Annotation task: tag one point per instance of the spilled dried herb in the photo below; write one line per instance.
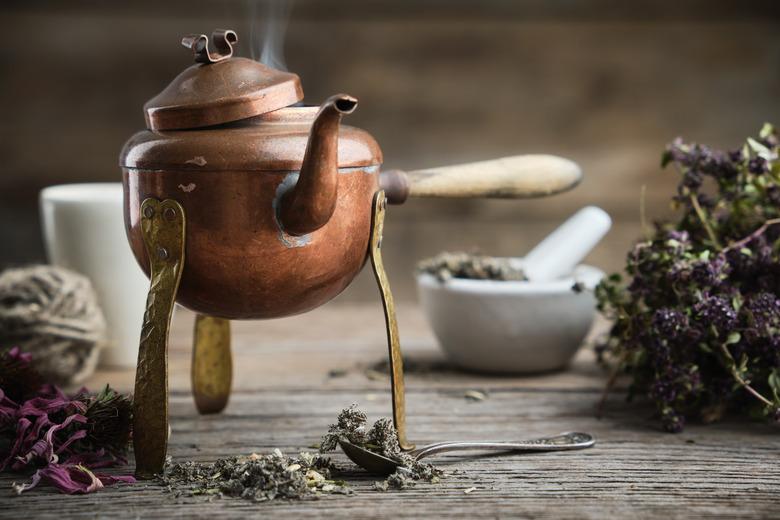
(259, 478)
(697, 324)
(275, 476)
(381, 438)
(445, 266)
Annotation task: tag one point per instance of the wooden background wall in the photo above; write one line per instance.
(606, 83)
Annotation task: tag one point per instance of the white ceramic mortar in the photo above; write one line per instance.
(510, 327)
(522, 327)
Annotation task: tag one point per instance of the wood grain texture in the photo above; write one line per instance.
(515, 177)
(285, 399)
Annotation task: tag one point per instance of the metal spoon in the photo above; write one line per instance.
(381, 465)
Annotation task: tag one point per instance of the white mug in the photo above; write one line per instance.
(84, 231)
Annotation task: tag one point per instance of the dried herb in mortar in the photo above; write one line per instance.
(697, 324)
(381, 438)
(464, 265)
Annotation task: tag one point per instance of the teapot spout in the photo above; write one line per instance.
(311, 202)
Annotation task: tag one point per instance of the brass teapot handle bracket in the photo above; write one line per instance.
(163, 232)
(222, 39)
(379, 208)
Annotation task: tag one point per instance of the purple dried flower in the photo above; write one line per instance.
(735, 156)
(663, 390)
(18, 379)
(681, 236)
(692, 180)
(769, 140)
(708, 282)
(64, 437)
(758, 166)
(8, 410)
(44, 450)
(71, 479)
(672, 421)
(671, 323)
(709, 273)
(716, 311)
(765, 309)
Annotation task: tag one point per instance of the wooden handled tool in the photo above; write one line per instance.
(516, 177)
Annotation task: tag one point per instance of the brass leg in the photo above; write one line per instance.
(163, 229)
(396, 362)
(212, 365)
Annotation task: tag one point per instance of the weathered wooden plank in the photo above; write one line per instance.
(300, 351)
(728, 470)
(284, 399)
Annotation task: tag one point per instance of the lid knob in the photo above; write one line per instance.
(223, 40)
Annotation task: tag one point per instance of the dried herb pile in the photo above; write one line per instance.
(465, 265)
(697, 322)
(59, 439)
(263, 478)
(382, 438)
(259, 478)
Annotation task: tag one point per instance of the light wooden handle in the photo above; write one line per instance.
(519, 176)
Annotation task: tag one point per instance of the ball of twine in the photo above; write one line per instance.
(53, 314)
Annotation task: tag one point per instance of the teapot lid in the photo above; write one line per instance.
(220, 88)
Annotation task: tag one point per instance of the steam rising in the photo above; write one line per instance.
(267, 44)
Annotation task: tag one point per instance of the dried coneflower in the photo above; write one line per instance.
(18, 378)
(57, 438)
(109, 421)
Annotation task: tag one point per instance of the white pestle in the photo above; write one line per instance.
(562, 250)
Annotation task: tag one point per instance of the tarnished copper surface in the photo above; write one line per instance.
(240, 264)
(220, 88)
(274, 141)
(212, 364)
(379, 207)
(278, 206)
(162, 232)
(310, 203)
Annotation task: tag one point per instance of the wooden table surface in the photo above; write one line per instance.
(284, 397)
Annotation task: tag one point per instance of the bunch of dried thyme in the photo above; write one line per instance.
(465, 265)
(259, 478)
(381, 438)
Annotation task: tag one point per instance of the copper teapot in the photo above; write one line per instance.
(241, 204)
